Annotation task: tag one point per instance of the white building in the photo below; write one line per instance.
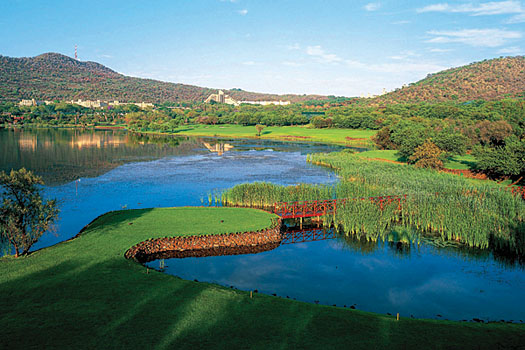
(220, 97)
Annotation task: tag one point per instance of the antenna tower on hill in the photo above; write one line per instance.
(76, 56)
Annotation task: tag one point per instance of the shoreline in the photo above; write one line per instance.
(207, 245)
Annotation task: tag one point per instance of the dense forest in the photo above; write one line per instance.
(53, 76)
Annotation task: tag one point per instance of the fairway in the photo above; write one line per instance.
(287, 133)
(83, 293)
(464, 162)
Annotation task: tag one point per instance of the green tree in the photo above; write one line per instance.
(382, 139)
(24, 215)
(452, 143)
(428, 155)
(507, 160)
(259, 128)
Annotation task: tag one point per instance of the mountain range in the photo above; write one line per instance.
(52, 76)
(486, 80)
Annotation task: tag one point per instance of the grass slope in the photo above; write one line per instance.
(83, 294)
(289, 133)
(464, 162)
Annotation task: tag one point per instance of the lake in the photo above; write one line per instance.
(95, 171)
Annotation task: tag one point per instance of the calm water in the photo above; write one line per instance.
(424, 281)
(142, 172)
(92, 172)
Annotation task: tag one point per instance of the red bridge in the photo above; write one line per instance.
(307, 209)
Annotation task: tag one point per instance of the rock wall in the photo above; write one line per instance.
(206, 245)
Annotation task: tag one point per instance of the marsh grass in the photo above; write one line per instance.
(474, 213)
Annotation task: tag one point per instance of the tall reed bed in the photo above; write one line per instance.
(455, 208)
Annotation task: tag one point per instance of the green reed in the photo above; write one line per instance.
(438, 204)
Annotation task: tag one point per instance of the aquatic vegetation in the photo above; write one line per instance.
(454, 208)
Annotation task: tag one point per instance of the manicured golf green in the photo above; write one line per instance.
(83, 293)
(289, 133)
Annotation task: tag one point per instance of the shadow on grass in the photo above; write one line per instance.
(114, 219)
(119, 304)
(79, 295)
(471, 165)
(181, 130)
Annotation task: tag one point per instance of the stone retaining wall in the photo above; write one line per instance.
(206, 245)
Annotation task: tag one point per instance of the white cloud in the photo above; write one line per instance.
(474, 37)
(249, 63)
(405, 55)
(318, 52)
(434, 8)
(295, 46)
(517, 19)
(513, 50)
(372, 6)
(291, 64)
(477, 9)
(440, 50)
(243, 12)
(355, 64)
(401, 22)
(406, 67)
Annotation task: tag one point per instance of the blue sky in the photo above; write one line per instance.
(332, 47)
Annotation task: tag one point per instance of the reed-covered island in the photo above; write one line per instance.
(477, 213)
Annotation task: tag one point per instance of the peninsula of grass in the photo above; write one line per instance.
(84, 294)
(286, 133)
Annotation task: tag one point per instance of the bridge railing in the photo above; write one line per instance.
(316, 208)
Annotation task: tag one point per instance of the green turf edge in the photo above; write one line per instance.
(464, 162)
(82, 293)
(282, 133)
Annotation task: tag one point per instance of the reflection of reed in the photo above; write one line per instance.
(218, 148)
(215, 251)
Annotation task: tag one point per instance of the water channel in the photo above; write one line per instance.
(92, 172)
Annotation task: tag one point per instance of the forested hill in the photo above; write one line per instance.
(53, 76)
(487, 80)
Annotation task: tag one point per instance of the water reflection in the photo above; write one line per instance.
(64, 155)
(218, 148)
(200, 253)
(184, 173)
(414, 279)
